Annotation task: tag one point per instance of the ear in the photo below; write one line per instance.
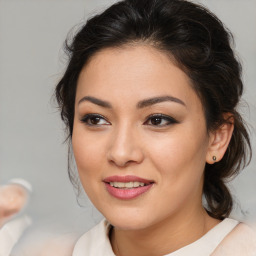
(219, 140)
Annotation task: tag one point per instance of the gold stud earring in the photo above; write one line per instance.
(214, 158)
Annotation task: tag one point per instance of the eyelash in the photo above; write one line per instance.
(87, 119)
(161, 117)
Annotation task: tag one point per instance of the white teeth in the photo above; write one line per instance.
(130, 184)
(137, 184)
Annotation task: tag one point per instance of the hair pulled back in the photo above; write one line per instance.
(197, 41)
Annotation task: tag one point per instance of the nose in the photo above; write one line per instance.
(125, 147)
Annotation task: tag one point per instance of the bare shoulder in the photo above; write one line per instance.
(240, 241)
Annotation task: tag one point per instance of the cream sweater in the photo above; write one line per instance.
(227, 238)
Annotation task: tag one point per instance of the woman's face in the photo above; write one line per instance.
(139, 137)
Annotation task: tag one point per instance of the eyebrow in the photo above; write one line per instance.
(140, 104)
(96, 101)
(155, 100)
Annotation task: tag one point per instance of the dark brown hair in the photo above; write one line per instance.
(200, 45)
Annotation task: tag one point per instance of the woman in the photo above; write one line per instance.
(149, 99)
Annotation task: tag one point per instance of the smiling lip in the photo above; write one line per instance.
(124, 193)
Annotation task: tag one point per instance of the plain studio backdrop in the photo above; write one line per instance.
(32, 33)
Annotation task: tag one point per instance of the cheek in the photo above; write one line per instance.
(89, 152)
(180, 155)
(84, 152)
(180, 163)
(88, 156)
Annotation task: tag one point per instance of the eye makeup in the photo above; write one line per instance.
(160, 120)
(94, 120)
(156, 120)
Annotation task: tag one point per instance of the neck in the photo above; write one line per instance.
(162, 238)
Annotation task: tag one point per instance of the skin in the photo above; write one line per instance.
(12, 199)
(127, 142)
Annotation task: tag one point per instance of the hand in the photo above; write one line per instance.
(13, 198)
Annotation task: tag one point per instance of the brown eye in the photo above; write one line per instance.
(94, 120)
(156, 120)
(160, 120)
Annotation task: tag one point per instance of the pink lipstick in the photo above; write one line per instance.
(127, 187)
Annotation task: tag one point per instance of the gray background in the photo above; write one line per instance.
(31, 133)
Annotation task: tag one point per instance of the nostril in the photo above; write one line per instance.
(124, 158)
(123, 164)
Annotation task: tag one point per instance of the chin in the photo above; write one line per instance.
(131, 224)
(128, 220)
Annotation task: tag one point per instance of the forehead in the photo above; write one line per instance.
(133, 73)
